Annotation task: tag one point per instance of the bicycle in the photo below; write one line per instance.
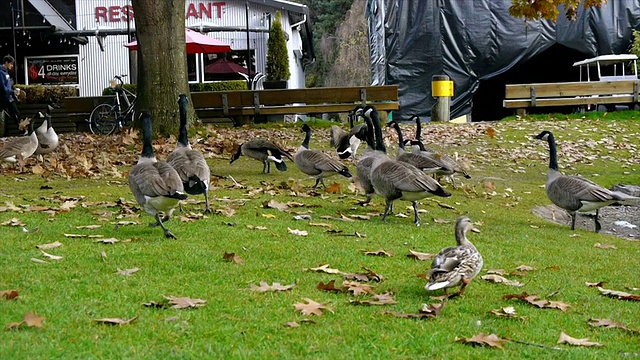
(105, 119)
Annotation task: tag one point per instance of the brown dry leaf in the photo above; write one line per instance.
(428, 311)
(441, 221)
(482, 339)
(36, 260)
(619, 294)
(297, 232)
(184, 302)
(325, 269)
(127, 272)
(251, 227)
(420, 256)
(536, 301)
(500, 280)
(268, 216)
(89, 227)
(496, 272)
(604, 246)
(566, 339)
(116, 321)
(13, 222)
(379, 252)
(29, 319)
(491, 132)
(232, 257)
(272, 204)
(446, 206)
(357, 289)
(598, 284)
(9, 294)
(264, 287)
(227, 211)
(360, 217)
(107, 241)
(292, 324)
(553, 267)
(606, 323)
(509, 312)
(525, 268)
(311, 307)
(368, 276)
(321, 224)
(333, 188)
(52, 257)
(381, 299)
(68, 205)
(330, 286)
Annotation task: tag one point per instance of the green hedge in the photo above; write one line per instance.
(38, 94)
(199, 87)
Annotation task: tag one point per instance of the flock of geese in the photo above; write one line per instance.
(410, 175)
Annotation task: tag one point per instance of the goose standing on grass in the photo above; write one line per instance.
(577, 194)
(47, 137)
(190, 164)
(451, 166)
(375, 148)
(396, 180)
(18, 149)
(347, 142)
(456, 265)
(156, 185)
(264, 151)
(316, 163)
(427, 164)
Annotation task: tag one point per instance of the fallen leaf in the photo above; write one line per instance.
(321, 224)
(420, 256)
(598, 284)
(116, 321)
(89, 227)
(491, 132)
(604, 246)
(379, 252)
(525, 268)
(78, 236)
(9, 294)
(330, 286)
(127, 272)
(269, 216)
(232, 257)
(536, 301)
(292, 324)
(251, 227)
(606, 323)
(566, 339)
(52, 257)
(68, 205)
(49, 246)
(13, 222)
(107, 241)
(428, 311)
(184, 302)
(381, 299)
(311, 307)
(482, 339)
(509, 312)
(500, 280)
(29, 319)
(264, 287)
(357, 289)
(325, 269)
(35, 260)
(333, 188)
(368, 276)
(496, 272)
(619, 294)
(360, 217)
(446, 206)
(272, 204)
(297, 232)
(441, 221)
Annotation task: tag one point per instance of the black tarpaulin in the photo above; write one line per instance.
(475, 40)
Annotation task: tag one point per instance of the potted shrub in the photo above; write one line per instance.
(277, 57)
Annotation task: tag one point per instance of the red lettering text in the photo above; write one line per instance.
(101, 13)
(205, 9)
(114, 11)
(219, 6)
(127, 13)
(192, 12)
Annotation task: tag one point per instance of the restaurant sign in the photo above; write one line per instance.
(52, 70)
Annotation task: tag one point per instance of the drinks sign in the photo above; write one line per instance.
(52, 70)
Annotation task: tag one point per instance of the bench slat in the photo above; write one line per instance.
(524, 103)
(542, 90)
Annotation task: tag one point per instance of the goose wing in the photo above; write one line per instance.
(15, 147)
(582, 189)
(262, 145)
(338, 136)
(320, 161)
(157, 179)
(423, 163)
(406, 177)
(188, 162)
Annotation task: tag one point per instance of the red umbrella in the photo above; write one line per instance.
(196, 43)
(223, 66)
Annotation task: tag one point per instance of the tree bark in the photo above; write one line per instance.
(162, 62)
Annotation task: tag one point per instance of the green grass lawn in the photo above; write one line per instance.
(508, 172)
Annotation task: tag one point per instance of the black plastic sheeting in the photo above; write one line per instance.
(475, 40)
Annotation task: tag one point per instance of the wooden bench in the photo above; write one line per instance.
(522, 96)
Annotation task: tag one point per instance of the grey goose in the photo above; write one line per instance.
(47, 138)
(316, 163)
(575, 193)
(264, 151)
(190, 164)
(155, 185)
(347, 142)
(18, 149)
(375, 148)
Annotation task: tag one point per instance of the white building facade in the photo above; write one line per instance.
(225, 21)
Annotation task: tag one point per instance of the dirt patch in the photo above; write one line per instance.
(620, 221)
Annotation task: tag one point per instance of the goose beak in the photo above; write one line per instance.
(475, 230)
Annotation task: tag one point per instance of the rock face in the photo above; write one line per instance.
(633, 190)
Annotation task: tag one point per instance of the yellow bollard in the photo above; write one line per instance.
(442, 90)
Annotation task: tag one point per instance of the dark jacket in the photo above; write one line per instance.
(6, 88)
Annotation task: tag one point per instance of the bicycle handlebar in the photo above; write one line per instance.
(119, 78)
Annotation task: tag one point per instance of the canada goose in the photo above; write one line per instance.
(47, 137)
(347, 143)
(316, 163)
(577, 194)
(156, 185)
(395, 180)
(264, 151)
(190, 164)
(456, 265)
(18, 149)
(451, 166)
(427, 164)
(375, 148)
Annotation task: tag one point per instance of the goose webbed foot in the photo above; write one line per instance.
(159, 222)
(416, 218)
(169, 235)
(465, 282)
(597, 223)
(386, 210)
(365, 202)
(207, 209)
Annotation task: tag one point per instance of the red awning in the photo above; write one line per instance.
(224, 66)
(196, 43)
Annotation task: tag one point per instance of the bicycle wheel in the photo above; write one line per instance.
(103, 119)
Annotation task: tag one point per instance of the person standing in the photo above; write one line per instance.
(8, 96)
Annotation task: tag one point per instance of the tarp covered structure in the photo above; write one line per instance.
(475, 40)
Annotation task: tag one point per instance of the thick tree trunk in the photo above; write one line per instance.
(162, 61)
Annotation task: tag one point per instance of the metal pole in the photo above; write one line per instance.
(246, 4)
(129, 39)
(15, 51)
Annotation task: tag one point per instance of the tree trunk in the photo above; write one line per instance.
(162, 62)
